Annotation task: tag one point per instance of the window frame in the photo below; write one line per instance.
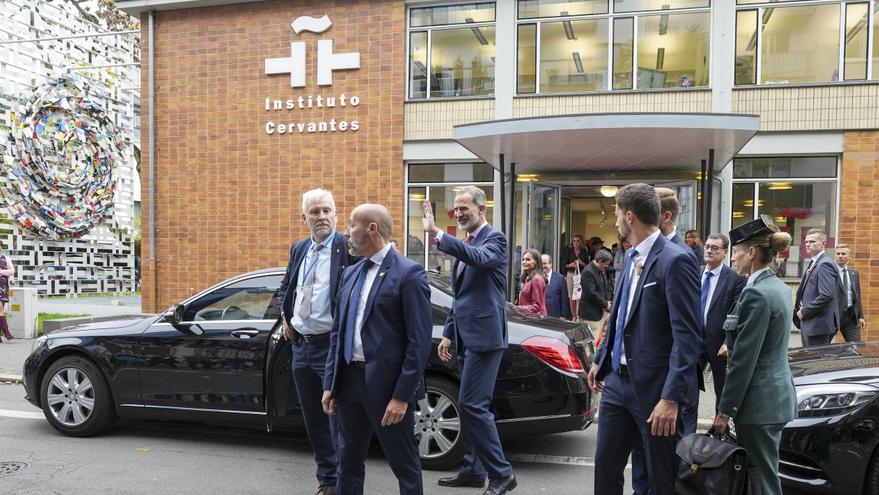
(756, 182)
(760, 7)
(611, 17)
(439, 27)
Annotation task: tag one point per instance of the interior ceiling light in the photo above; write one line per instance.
(527, 177)
(738, 214)
(780, 186)
(416, 197)
(663, 21)
(569, 30)
(578, 64)
(608, 191)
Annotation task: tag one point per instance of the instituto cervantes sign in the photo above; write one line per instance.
(327, 62)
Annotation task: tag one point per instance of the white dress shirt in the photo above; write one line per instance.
(643, 250)
(715, 275)
(320, 320)
(377, 259)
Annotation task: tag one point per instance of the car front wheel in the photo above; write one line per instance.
(438, 425)
(75, 397)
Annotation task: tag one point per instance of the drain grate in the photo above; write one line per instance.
(10, 468)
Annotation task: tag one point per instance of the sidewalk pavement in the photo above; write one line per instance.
(12, 356)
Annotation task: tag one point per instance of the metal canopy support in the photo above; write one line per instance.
(709, 189)
(511, 235)
(502, 212)
(701, 197)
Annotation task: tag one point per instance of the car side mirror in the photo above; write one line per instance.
(174, 314)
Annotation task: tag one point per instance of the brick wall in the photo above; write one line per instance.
(228, 195)
(859, 217)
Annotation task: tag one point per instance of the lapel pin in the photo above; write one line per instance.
(640, 268)
(382, 274)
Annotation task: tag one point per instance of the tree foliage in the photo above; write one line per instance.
(104, 13)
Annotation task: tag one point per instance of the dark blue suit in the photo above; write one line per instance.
(726, 293)
(309, 360)
(477, 324)
(690, 411)
(396, 338)
(557, 303)
(662, 345)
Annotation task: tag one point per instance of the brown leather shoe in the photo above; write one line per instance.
(326, 490)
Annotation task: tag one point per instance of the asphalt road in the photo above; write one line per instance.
(145, 458)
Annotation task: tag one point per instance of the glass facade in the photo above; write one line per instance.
(646, 5)
(799, 193)
(532, 9)
(819, 41)
(673, 50)
(573, 56)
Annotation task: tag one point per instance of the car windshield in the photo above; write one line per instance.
(440, 281)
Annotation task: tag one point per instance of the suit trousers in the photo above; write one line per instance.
(309, 365)
(762, 443)
(848, 325)
(359, 417)
(623, 420)
(718, 376)
(483, 454)
(809, 341)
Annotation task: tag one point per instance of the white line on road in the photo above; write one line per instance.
(9, 413)
(554, 459)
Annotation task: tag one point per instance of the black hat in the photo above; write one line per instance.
(762, 225)
(596, 240)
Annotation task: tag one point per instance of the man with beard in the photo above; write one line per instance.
(379, 347)
(308, 300)
(647, 366)
(478, 323)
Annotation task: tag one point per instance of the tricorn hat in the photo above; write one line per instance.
(762, 225)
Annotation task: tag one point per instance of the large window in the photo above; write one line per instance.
(814, 42)
(799, 193)
(451, 51)
(584, 46)
(438, 183)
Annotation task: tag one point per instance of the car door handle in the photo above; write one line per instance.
(246, 333)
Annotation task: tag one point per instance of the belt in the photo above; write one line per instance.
(357, 364)
(313, 339)
(624, 371)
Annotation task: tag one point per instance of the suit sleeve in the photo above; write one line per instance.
(332, 354)
(682, 280)
(418, 328)
(827, 279)
(563, 297)
(590, 292)
(285, 282)
(490, 254)
(751, 331)
(856, 290)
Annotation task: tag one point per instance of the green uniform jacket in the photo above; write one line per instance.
(759, 388)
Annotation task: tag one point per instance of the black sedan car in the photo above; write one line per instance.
(219, 358)
(831, 446)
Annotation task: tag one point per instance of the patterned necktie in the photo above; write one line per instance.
(706, 288)
(623, 309)
(351, 315)
(303, 309)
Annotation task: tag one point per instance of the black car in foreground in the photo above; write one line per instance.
(831, 446)
(219, 358)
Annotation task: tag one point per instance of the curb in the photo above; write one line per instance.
(10, 379)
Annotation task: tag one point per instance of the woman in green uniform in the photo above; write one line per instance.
(759, 393)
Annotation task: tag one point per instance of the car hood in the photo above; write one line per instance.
(836, 363)
(121, 325)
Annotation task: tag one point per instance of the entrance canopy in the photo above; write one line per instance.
(632, 142)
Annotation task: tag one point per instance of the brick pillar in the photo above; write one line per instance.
(859, 218)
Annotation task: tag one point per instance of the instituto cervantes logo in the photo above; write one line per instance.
(327, 62)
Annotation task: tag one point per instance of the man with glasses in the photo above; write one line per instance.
(721, 286)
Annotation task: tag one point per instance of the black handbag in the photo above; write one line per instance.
(711, 464)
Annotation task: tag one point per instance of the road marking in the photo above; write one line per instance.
(555, 459)
(9, 413)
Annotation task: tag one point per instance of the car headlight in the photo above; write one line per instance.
(832, 399)
(39, 341)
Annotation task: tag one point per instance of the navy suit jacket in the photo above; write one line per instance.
(557, 303)
(396, 330)
(662, 335)
(479, 279)
(683, 245)
(726, 294)
(817, 297)
(339, 260)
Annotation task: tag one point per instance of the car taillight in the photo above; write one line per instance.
(554, 352)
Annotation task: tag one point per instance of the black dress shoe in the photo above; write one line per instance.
(499, 486)
(463, 479)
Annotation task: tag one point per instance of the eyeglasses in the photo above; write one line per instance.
(710, 248)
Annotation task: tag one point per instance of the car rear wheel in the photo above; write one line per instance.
(438, 425)
(75, 397)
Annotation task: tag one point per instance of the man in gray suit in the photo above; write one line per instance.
(817, 309)
(851, 311)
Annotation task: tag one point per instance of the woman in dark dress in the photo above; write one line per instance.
(6, 270)
(574, 259)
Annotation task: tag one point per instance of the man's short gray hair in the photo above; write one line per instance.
(547, 255)
(315, 195)
(476, 193)
(602, 255)
(378, 214)
(724, 240)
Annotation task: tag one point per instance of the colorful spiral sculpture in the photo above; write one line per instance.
(60, 157)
